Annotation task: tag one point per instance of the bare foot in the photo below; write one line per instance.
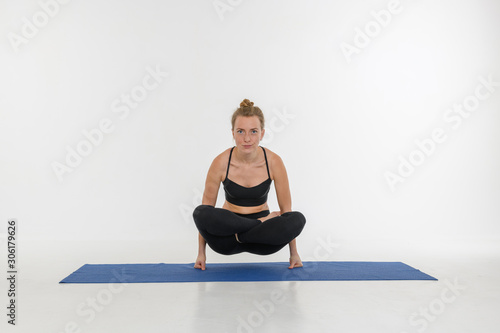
(270, 216)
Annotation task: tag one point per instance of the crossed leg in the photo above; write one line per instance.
(218, 226)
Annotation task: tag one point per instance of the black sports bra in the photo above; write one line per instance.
(246, 196)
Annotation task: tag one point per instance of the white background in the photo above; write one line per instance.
(340, 123)
(349, 121)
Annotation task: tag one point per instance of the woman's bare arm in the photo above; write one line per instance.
(285, 202)
(281, 184)
(202, 257)
(212, 185)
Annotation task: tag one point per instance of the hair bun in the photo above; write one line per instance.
(246, 103)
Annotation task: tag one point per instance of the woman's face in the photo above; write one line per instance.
(247, 133)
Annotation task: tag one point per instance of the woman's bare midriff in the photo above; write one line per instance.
(244, 210)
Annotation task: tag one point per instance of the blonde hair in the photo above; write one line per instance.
(247, 109)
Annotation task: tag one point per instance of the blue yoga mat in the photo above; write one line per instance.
(263, 271)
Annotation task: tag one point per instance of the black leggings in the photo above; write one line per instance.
(218, 227)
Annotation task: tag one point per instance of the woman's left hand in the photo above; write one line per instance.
(295, 261)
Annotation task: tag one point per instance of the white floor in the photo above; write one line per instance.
(465, 299)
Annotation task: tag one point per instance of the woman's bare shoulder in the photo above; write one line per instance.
(223, 156)
(272, 157)
(276, 165)
(220, 161)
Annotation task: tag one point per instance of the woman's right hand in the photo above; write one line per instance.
(200, 262)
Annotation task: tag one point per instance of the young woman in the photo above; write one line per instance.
(246, 171)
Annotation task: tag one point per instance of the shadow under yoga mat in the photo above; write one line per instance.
(263, 271)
